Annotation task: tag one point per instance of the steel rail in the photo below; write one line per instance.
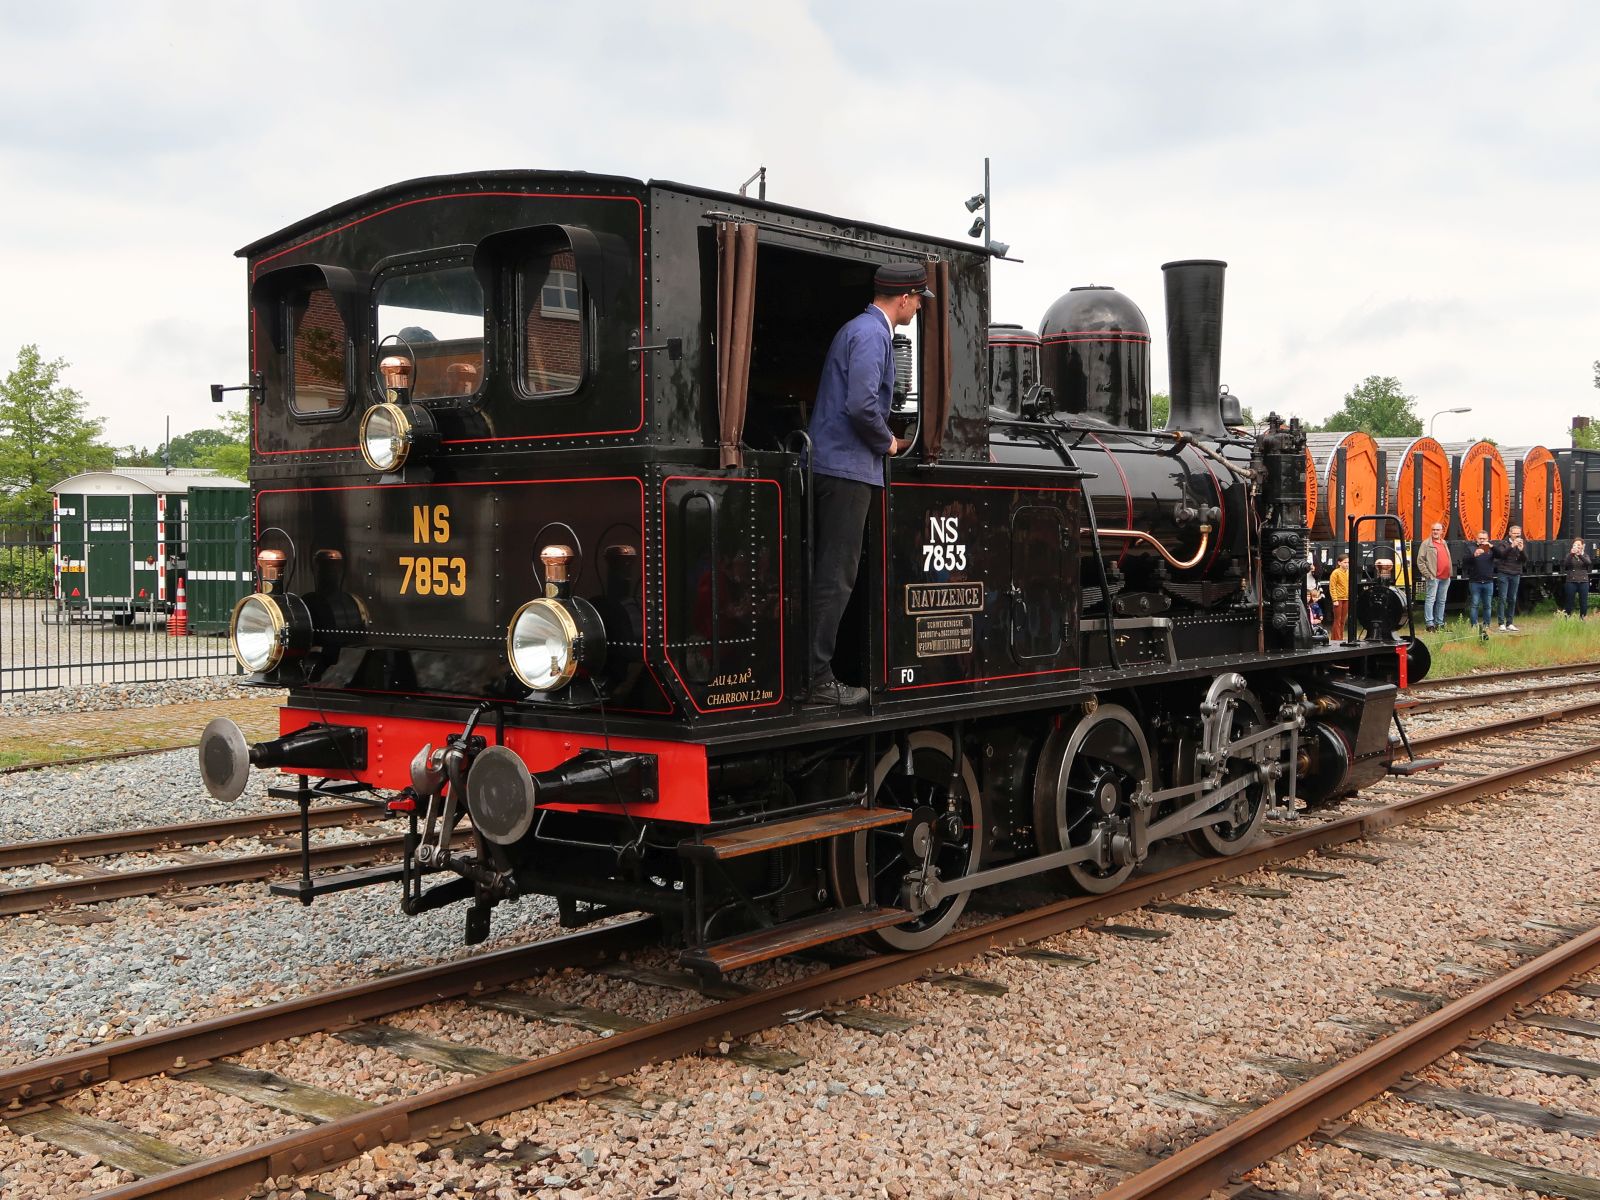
(1474, 699)
(113, 886)
(195, 833)
(1550, 716)
(1506, 676)
(49, 1079)
(85, 759)
(1201, 1167)
(499, 1092)
(120, 885)
(152, 1053)
(192, 833)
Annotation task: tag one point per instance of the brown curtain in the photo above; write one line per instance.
(736, 302)
(936, 361)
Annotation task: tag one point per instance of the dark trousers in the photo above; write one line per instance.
(1578, 592)
(1482, 593)
(1505, 594)
(841, 514)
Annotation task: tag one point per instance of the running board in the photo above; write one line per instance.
(815, 828)
(789, 938)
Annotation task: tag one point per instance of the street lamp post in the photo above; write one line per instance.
(1443, 412)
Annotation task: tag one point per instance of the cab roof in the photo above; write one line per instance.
(489, 180)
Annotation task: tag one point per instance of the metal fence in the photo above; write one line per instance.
(99, 603)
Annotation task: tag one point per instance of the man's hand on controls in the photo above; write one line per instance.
(901, 445)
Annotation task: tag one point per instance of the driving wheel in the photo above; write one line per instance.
(871, 867)
(1083, 796)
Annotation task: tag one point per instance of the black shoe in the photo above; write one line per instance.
(830, 693)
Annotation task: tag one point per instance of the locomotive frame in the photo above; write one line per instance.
(533, 567)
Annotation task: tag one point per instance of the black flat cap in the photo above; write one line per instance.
(892, 279)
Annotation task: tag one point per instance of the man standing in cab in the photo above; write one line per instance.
(849, 436)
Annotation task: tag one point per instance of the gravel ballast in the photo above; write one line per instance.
(966, 1099)
(960, 1103)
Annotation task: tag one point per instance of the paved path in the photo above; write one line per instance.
(54, 736)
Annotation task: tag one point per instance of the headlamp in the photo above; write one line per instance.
(389, 433)
(549, 639)
(265, 629)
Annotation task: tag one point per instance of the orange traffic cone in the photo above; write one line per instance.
(178, 622)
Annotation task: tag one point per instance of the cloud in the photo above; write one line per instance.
(1399, 190)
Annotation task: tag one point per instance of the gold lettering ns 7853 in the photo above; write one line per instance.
(432, 574)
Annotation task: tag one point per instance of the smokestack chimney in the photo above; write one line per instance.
(1194, 344)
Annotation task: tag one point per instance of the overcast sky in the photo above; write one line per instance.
(1400, 189)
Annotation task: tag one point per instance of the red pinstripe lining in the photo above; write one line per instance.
(256, 270)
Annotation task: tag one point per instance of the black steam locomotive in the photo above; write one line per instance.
(533, 522)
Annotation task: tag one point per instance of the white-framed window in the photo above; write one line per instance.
(559, 297)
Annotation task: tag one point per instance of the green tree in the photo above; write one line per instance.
(44, 436)
(1587, 437)
(1377, 406)
(138, 456)
(229, 452)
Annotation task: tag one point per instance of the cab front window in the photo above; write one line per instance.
(551, 301)
(435, 315)
(317, 367)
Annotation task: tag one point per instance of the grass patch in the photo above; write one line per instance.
(1546, 639)
(21, 753)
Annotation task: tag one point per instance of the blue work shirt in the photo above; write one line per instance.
(849, 425)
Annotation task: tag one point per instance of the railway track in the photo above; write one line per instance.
(1214, 1161)
(499, 1086)
(1478, 699)
(1452, 681)
(191, 833)
(92, 885)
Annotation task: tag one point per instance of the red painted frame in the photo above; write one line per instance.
(392, 742)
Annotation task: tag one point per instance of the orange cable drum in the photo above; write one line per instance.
(1312, 490)
(1360, 482)
(1471, 494)
(1540, 510)
(1406, 457)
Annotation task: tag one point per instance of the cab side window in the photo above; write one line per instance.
(437, 314)
(552, 305)
(317, 356)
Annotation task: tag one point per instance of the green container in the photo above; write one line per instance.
(122, 540)
(218, 568)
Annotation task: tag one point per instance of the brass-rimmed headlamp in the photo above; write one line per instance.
(390, 432)
(266, 629)
(550, 638)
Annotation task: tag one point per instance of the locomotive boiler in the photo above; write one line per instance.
(532, 502)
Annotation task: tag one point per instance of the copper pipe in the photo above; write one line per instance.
(1141, 536)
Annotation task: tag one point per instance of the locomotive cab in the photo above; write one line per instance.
(532, 500)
